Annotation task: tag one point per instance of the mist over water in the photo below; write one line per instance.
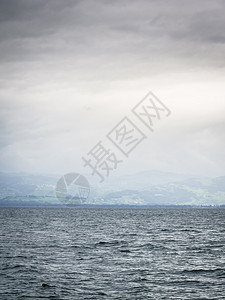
(127, 253)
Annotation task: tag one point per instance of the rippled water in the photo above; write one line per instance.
(74, 253)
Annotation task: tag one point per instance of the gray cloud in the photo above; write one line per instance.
(39, 29)
(71, 67)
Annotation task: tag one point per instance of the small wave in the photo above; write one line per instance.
(102, 294)
(109, 243)
(10, 267)
(125, 251)
(199, 271)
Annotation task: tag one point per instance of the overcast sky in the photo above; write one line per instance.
(71, 70)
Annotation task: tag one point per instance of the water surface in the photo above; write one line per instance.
(97, 253)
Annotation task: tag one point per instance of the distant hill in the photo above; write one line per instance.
(22, 184)
(145, 188)
(204, 191)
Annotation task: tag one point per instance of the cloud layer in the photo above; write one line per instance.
(70, 70)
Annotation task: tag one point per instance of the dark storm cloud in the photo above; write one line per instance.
(32, 29)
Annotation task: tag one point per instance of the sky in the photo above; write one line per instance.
(72, 70)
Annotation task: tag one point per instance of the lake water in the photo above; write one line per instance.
(107, 253)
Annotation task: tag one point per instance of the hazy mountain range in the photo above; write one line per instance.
(145, 188)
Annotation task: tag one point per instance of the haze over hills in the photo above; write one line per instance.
(145, 188)
(142, 180)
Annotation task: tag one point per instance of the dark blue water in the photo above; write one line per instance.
(73, 253)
